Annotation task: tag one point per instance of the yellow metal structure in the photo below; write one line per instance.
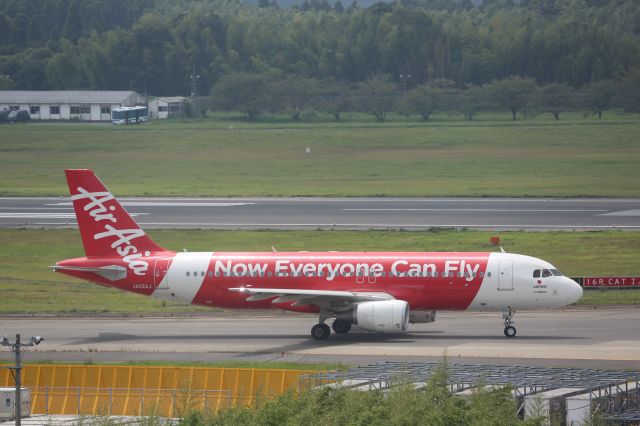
(139, 390)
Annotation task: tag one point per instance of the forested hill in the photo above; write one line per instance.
(153, 46)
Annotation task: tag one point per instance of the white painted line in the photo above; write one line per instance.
(349, 225)
(624, 213)
(473, 210)
(36, 208)
(390, 225)
(48, 215)
(166, 204)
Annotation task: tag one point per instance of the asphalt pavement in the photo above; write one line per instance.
(601, 338)
(344, 213)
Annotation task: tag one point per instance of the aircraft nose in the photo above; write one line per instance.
(574, 291)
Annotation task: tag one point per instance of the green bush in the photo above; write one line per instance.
(401, 405)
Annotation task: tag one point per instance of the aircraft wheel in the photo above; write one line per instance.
(341, 326)
(510, 331)
(320, 331)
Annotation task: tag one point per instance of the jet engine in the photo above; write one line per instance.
(385, 316)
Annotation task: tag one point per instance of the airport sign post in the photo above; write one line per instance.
(624, 282)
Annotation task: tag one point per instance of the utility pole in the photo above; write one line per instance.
(194, 79)
(17, 349)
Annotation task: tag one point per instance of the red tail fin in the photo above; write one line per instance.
(105, 226)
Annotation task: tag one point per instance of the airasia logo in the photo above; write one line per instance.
(123, 243)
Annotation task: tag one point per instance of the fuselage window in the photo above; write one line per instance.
(210, 273)
(187, 273)
(536, 273)
(269, 274)
(488, 274)
(546, 273)
(202, 273)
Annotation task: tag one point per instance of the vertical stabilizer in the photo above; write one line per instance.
(105, 226)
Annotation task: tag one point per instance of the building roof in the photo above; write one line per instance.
(171, 99)
(64, 96)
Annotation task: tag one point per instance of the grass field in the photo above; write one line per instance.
(575, 156)
(27, 286)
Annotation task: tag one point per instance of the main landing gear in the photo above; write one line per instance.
(341, 326)
(509, 329)
(322, 331)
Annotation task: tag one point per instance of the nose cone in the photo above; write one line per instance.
(574, 291)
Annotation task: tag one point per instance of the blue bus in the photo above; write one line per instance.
(130, 115)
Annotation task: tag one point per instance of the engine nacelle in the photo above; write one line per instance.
(384, 316)
(422, 317)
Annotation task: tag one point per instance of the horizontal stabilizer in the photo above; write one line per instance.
(111, 272)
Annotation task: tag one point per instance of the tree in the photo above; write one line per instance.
(597, 97)
(512, 93)
(6, 83)
(334, 98)
(554, 98)
(469, 101)
(427, 98)
(245, 92)
(376, 96)
(629, 95)
(296, 94)
(64, 69)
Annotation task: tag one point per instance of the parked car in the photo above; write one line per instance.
(19, 116)
(4, 116)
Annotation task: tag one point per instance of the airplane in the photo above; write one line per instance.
(377, 291)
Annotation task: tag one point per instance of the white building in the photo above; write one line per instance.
(80, 105)
(166, 107)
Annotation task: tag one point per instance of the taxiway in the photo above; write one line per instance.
(572, 337)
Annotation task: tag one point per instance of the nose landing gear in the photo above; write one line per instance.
(509, 329)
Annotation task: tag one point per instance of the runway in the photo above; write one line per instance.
(344, 213)
(601, 338)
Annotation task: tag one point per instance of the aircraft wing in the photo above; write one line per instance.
(324, 299)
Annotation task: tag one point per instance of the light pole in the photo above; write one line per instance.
(194, 80)
(17, 349)
(405, 78)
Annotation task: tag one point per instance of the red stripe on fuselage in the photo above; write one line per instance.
(340, 272)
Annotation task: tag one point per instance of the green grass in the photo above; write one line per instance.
(225, 156)
(27, 286)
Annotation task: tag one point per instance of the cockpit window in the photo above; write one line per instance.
(536, 273)
(546, 273)
(556, 273)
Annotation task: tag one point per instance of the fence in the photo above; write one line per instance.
(130, 390)
(126, 402)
